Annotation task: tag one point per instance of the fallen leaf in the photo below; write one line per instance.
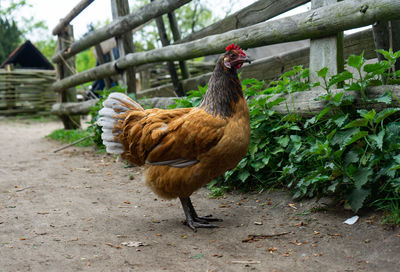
(127, 202)
(287, 254)
(272, 249)
(159, 234)
(224, 206)
(291, 205)
(258, 223)
(398, 234)
(217, 255)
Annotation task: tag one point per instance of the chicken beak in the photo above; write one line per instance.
(244, 59)
(248, 59)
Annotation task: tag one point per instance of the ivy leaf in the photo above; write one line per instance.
(356, 198)
(361, 175)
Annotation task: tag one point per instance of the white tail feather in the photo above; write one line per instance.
(115, 104)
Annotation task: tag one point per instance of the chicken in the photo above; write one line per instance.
(184, 149)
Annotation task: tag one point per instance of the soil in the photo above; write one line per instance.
(78, 210)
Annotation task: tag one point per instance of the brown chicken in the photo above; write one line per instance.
(184, 149)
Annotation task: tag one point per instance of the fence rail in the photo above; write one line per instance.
(316, 23)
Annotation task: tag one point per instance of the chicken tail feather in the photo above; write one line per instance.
(112, 115)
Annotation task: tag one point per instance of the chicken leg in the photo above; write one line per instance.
(193, 220)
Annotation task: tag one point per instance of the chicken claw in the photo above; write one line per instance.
(194, 221)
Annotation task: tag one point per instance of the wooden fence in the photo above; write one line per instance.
(249, 28)
(26, 91)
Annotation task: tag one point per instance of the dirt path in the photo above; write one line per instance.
(73, 211)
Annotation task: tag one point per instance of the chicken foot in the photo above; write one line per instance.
(194, 221)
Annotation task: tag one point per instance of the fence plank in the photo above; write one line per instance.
(257, 12)
(125, 45)
(171, 67)
(120, 26)
(327, 51)
(270, 68)
(320, 22)
(64, 70)
(71, 15)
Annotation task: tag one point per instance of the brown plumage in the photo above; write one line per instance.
(184, 149)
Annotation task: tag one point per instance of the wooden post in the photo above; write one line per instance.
(125, 44)
(100, 58)
(64, 69)
(177, 36)
(171, 67)
(325, 52)
(387, 35)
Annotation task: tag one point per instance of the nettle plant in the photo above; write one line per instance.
(349, 154)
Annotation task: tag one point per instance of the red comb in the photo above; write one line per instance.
(235, 47)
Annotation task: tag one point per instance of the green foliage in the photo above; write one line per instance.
(9, 36)
(340, 152)
(47, 47)
(191, 17)
(85, 60)
(70, 136)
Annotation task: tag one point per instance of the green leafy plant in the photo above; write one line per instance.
(348, 154)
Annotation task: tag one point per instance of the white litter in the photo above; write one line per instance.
(351, 220)
(133, 244)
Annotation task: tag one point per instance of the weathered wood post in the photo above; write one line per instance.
(176, 33)
(171, 67)
(100, 58)
(64, 69)
(387, 35)
(325, 52)
(125, 44)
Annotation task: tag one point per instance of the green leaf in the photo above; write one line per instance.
(351, 157)
(339, 121)
(377, 68)
(345, 75)
(357, 123)
(243, 175)
(369, 115)
(356, 198)
(385, 98)
(378, 139)
(384, 114)
(282, 140)
(323, 112)
(323, 72)
(361, 176)
(356, 61)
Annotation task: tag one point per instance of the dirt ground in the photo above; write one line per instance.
(76, 210)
